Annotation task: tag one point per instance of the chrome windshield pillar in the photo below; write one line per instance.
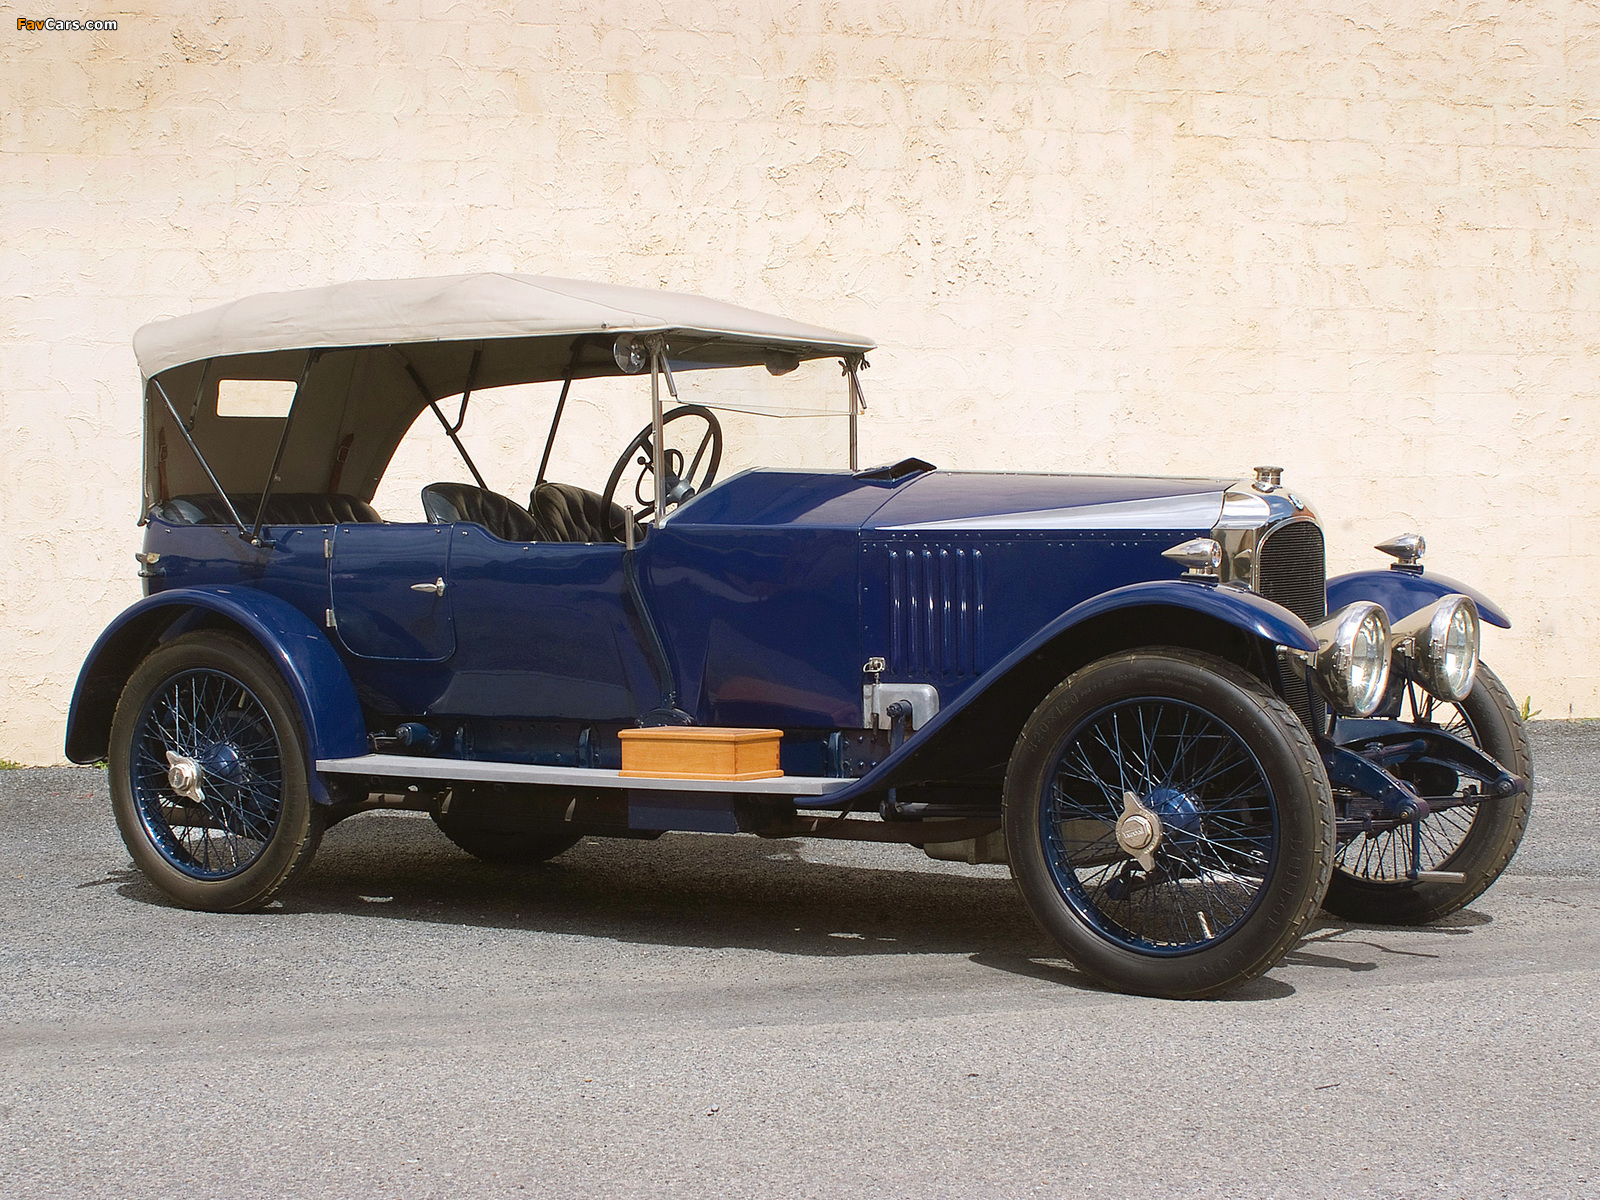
(659, 366)
(853, 365)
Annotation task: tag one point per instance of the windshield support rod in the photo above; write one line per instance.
(199, 458)
(283, 440)
(858, 402)
(658, 454)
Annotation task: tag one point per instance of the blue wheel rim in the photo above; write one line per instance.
(1219, 846)
(214, 720)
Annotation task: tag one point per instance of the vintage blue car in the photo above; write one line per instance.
(1141, 693)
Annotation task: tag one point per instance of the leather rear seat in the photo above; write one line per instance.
(283, 508)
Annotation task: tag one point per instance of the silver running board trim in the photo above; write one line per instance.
(405, 766)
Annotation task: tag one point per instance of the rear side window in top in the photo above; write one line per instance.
(254, 397)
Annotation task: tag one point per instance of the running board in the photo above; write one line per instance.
(461, 770)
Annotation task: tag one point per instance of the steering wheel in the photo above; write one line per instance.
(681, 482)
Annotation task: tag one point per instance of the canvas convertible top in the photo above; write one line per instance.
(492, 305)
(369, 356)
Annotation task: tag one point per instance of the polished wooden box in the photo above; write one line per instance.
(692, 752)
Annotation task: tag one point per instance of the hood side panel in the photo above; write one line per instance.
(943, 610)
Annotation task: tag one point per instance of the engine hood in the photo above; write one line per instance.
(951, 501)
(932, 501)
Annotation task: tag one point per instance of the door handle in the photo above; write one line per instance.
(436, 587)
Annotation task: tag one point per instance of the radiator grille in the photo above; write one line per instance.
(1291, 571)
(935, 611)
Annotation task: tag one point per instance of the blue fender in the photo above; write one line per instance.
(329, 709)
(1403, 592)
(1243, 610)
(1234, 606)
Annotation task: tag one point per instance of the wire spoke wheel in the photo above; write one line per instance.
(1168, 822)
(1216, 814)
(209, 774)
(1371, 879)
(229, 815)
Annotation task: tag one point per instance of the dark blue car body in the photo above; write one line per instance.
(771, 590)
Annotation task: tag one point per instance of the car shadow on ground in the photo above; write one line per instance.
(683, 889)
(1347, 946)
(728, 892)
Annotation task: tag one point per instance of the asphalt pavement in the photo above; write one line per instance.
(725, 1016)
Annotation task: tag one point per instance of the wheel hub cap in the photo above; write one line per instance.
(183, 777)
(223, 759)
(1138, 831)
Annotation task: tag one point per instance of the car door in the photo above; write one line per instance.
(544, 630)
(388, 591)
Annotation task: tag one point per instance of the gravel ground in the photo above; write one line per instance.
(727, 1016)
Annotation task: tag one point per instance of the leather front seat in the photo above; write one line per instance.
(567, 513)
(446, 503)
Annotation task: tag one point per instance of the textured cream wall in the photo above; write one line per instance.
(1354, 239)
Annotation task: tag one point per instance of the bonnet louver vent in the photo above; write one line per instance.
(935, 611)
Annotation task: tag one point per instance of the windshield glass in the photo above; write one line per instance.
(796, 420)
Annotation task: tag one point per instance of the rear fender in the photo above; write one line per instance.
(986, 718)
(1403, 592)
(329, 710)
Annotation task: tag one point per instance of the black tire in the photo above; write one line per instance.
(506, 848)
(253, 824)
(1247, 843)
(1368, 879)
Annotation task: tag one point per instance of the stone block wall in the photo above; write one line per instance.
(1354, 239)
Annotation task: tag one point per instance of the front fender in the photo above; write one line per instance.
(329, 709)
(1403, 592)
(1244, 611)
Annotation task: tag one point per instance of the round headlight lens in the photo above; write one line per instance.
(1369, 662)
(1439, 644)
(1454, 650)
(1351, 668)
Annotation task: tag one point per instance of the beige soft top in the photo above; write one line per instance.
(490, 306)
(370, 356)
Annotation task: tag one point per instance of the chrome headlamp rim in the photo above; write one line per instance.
(1351, 666)
(1424, 639)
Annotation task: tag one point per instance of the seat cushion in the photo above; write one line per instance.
(500, 515)
(283, 508)
(567, 513)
